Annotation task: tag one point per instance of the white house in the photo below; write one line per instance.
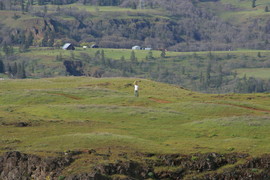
(136, 47)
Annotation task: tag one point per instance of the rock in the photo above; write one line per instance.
(20, 166)
(22, 124)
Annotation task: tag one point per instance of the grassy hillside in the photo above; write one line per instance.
(220, 25)
(69, 113)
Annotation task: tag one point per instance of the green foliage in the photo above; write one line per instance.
(61, 177)
(163, 53)
(253, 4)
(133, 57)
(266, 9)
(2, 66)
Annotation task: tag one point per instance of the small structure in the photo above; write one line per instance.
(68, 46)
(94, 46)
(85, 47)
(148, 49)
(136, 48)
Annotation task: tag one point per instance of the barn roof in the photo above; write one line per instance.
(66, 45)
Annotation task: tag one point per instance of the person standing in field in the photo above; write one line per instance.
(136, 89)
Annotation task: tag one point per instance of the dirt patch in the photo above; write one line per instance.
(159, 100)
(105, 84)
(67, 95)
(16, 124)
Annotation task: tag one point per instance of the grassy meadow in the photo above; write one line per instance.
(262, 73)
(77, 113)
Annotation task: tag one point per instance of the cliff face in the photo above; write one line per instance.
(20, 166)
(16, 165)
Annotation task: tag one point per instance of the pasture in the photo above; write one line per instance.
(69, 113)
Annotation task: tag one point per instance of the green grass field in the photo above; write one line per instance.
(69, 113)
(262, 73)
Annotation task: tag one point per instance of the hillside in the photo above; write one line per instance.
(241, 71)
(177, 25)
(48, 117)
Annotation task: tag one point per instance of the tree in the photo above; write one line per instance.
(5, 48)
(103, 61)
(8, 50)
(133, 5)
(21, 71)
(253, 5)
(266, 9)
(44, 42)
(22, 6)
(208, 74)
(220, 76)
(8, 68)
(150, 55)
(41, 2)
(133, 58)
(2, 6)
(14, 69)
(163, 53)
(2, 66)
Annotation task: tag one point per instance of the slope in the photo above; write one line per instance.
(58, 114)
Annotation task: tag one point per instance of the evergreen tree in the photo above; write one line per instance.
(14, 69)
(44, 42)
(133, 57)
(103, 61)
(253, 5)
(97, 54)
(220, 76)
(6, 48)
(45, 9)
(2, 66)
(22, 5)
(51, 40)
(30, 39)
(2, 6)
(259, 55)
(8, 68)
(133, 5)
(208, 74)
(150, 55)
(41, 2)
(21, 71)
(163, 53)
(266, 9)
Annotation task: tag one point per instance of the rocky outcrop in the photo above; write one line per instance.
(210, 166)
(20, 166)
